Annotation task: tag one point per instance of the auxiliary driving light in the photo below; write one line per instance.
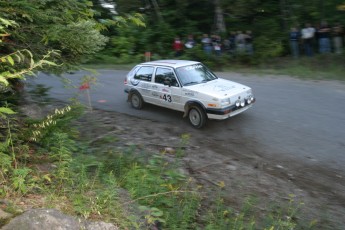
(250, 100)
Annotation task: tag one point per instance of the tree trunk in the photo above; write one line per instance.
(219, 23)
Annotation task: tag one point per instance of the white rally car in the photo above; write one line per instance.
(187, 86)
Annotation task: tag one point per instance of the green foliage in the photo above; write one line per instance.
(42, 131)
(11, 175)
(65, 25)
(15, 64)
(122, 45)
(14, 153)
(166, 195)
(73, 46)
(20, 179)
(319, 67)
(223, 217)
(5, 111)
(266, 48)
(284, 217)
(133, 41)
(7, 146)
(184, 141)
(4, 23)
(5, 165)
(97, 196)
(25, 60)
(61, 154)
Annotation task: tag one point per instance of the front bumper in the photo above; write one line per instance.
(224, 113)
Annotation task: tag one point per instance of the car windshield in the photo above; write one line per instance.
(194, 74)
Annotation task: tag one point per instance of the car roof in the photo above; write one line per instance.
(170, 63)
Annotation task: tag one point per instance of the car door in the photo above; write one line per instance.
(167, 89)
(142, 82)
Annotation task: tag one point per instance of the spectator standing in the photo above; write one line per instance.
(217, 44)
(308, 33)
(190, 43)
(324, 34)
(206, 44)
(178, 47)
(226, 45)
(240, 42)
(249, 42)
(338, 34)
(294, 37)
(232, 42)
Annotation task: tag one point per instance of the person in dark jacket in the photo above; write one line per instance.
(294, 38)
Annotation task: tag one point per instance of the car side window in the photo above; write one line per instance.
(144, 73)
(164, 75)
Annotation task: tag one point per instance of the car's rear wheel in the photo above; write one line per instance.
(197, 116)
(136, 100)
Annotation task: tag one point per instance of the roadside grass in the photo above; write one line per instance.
(111, 66)
(321, 67)
(318, 67)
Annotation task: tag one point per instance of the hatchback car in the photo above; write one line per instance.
(189, 87)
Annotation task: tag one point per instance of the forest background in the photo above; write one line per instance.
(269, 21)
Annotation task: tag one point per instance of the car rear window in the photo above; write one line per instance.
(144, 73)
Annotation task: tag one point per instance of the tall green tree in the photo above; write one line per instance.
(44, 25)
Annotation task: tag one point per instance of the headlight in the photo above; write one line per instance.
(225, 102)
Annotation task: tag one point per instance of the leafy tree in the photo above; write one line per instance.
(44, 25)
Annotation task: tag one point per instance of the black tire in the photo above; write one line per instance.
(197, 116)
(136, 100)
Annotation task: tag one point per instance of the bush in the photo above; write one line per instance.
(266, 48)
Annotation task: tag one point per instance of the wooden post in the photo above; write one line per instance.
(147, 56)
(89, 98)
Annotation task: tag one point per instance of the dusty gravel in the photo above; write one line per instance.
(246, 169)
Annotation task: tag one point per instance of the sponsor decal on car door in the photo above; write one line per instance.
(166, 89)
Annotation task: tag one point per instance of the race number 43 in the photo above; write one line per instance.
(167, 97)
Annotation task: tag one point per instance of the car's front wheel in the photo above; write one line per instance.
(136, 100)
(197, 116)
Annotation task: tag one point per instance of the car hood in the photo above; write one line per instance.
(219, 88)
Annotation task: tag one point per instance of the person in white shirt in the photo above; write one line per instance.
(307, 35)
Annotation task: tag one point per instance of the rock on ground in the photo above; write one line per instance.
(38, 219)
